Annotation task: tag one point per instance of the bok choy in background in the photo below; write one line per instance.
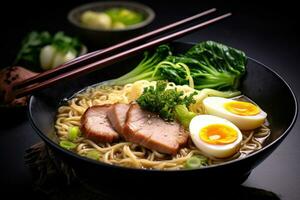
(43, 51)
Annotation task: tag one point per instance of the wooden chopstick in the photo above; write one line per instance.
(115, 58)
(96, 55)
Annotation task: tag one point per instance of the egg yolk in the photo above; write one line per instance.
(218, 134)
(242, 108)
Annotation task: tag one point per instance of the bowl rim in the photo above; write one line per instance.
(87, 6)
(227, 163)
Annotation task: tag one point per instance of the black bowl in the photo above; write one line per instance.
(261, 84)
(104, 37)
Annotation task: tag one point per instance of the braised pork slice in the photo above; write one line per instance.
(117, 116)
(96, 126)
(149, 130)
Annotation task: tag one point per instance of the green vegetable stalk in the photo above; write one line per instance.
(216, 93)
(145, 69)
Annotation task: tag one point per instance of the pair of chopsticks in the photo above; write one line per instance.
(102, 58)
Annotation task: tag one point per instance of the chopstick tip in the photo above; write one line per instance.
(225, 15)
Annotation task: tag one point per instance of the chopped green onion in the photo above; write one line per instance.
(67, 144)
(195, 162)
(203, 159)
(93, 154)
(73, 133)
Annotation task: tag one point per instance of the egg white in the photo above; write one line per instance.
(214, 150)
(215, 106)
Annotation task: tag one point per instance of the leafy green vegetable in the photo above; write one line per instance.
(219, 56)
(210, 64)
(163, 101)
(196, 162)
(206, 65)
(33, 43)
(30, 50)
(64, 43)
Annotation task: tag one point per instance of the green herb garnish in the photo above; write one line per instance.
(163, 101)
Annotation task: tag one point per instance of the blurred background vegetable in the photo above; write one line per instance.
(42, 51)
(113, 18)
(96, 20)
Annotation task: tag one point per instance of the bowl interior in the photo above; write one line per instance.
(261, 84)
(147, 12)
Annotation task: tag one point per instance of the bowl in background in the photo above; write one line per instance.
(99, 38)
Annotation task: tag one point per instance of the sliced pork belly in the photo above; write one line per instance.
(117, 116)
(96, 126)
(149, 130)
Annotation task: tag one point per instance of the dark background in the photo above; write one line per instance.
(267, 32)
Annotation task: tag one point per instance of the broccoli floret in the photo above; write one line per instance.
(163, 101)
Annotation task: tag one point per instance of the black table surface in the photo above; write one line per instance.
(264, 32)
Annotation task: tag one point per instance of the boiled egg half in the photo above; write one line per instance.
(245, 115)
(215, 136)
